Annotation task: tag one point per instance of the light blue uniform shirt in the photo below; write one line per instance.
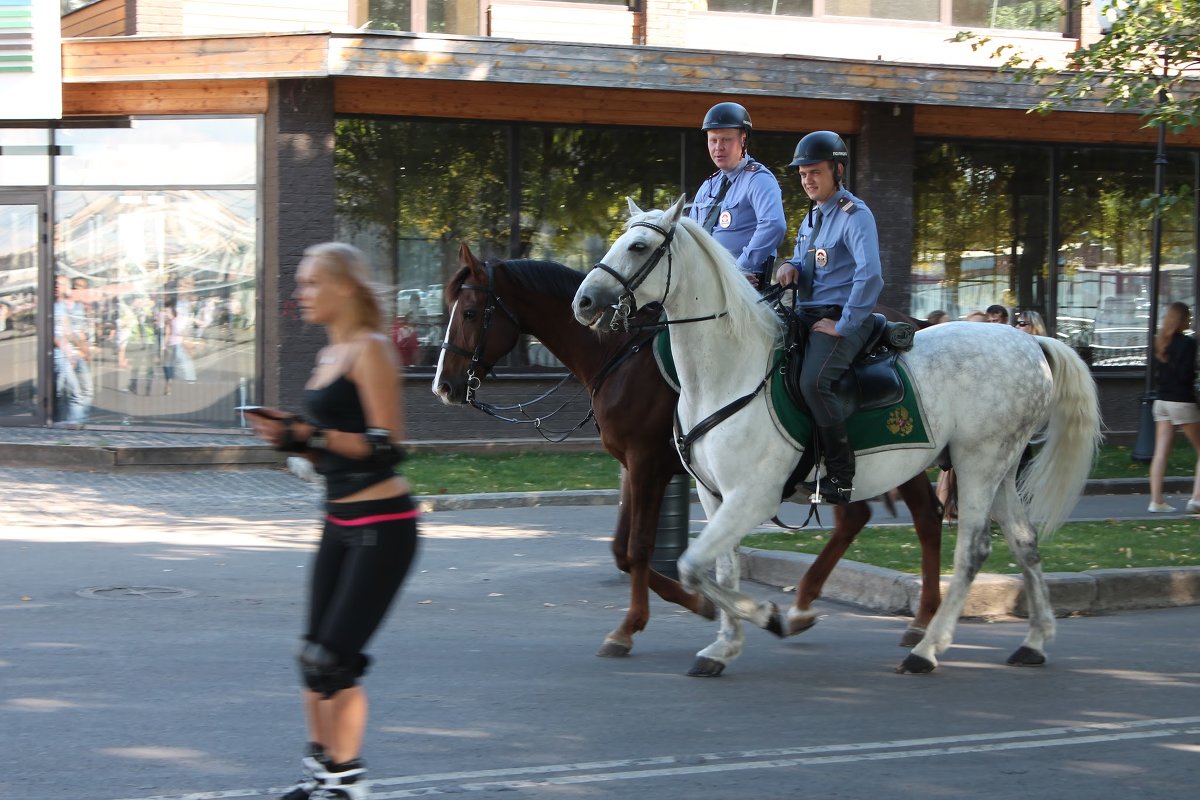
(751, 224)
(851, 276)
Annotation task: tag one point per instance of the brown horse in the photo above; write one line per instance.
(493, 304)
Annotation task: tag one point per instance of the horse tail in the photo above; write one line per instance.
(1052, 482)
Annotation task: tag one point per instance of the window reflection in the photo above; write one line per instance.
(982, 236)
(410, 191)
(1106, 246)
(154, 307)
(158, 152)
(19, 236)
(24, 156)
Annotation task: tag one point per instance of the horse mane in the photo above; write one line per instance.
(747, 316)
(545, 277)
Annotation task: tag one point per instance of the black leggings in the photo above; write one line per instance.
(366, 550)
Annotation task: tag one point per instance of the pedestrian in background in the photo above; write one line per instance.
(1031, 322)
(354, 400)
(938, 317)
(1175, 403)
(997, 313)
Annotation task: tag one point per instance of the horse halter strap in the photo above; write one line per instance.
(479, 368)
(625, 305)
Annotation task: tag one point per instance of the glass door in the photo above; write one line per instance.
(22, 234)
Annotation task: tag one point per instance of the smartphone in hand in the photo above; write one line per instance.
(259, 410)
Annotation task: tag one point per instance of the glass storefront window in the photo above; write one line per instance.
(155, 298)
(788, 8)
(980, 235)
(921, 10)
(206, 151)
(1104, 258)
(24, 156)
(410, 191)
(1018, 15)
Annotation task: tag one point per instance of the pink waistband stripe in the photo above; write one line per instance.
(369, 520)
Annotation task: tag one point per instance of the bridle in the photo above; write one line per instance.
(480, 368)
(625, 305)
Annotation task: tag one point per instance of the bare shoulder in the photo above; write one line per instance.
(376, 356)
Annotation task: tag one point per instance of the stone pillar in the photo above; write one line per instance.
(298, 211)
(666, 22)
(883, 178)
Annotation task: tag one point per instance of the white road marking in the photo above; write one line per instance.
(772, 758)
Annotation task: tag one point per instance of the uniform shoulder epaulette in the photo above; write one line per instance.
(847, 205)
(752, 166)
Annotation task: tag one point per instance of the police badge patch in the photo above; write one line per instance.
(822, 256)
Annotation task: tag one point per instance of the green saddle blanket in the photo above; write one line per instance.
(894, 427)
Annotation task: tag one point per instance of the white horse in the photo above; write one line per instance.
(984, 390)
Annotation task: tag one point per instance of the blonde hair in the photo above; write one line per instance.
(1035, 323)
(1175, 320)
(347, 263)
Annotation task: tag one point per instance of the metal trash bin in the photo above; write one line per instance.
(1143, 446)
(674, 522)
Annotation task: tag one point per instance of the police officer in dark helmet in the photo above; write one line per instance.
(838, 276)
(740, 204)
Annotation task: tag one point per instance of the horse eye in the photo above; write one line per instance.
(469, 315)
(638, 246)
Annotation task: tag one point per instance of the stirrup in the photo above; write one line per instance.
(828, 489)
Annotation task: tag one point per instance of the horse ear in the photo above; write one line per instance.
(675, 212)
(633, 207)
(465, 257)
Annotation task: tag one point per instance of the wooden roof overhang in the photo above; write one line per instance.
(502, 79)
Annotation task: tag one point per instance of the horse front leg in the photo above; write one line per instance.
(922, 501)
(727, 524)
(633, 547)
(619, 642)
(711, 661)
(848, 522)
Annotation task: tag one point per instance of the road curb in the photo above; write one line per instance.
(992, 596)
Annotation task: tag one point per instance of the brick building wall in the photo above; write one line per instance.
(298, 203)
(883, 172)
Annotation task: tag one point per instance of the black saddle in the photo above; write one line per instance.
(873, 380)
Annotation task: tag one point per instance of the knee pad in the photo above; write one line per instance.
(323, 672)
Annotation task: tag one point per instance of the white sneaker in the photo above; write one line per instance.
(1160, 508)
(1193, 507)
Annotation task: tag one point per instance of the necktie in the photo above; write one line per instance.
(710, 220)
(810, 258)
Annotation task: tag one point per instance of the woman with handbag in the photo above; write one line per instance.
(1175, 405)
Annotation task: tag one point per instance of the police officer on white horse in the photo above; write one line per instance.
(838, 276)
(740, 204)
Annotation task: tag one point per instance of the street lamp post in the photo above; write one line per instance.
(1143, 448)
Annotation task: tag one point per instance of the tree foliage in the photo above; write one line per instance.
(1147, 63)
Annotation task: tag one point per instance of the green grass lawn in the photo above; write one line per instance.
(1077, 546)
(433, 474)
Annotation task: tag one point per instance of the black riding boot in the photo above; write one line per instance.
(838, 481)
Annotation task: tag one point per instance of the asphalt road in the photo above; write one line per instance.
(149, 625)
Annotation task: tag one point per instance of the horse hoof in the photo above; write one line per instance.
(613, 649)
(708, 609)
(799, 621)
(912, 636)
(915, 665)
(705, 667)
(1026, 657)
(775, 622)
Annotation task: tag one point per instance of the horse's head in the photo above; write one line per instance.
(626, 278)
(480, 330)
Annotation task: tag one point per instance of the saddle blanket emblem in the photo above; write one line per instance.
(899, 426)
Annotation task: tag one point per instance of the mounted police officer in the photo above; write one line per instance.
(838, 277)
(740, 204)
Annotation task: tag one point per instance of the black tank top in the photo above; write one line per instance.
(338, 407)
